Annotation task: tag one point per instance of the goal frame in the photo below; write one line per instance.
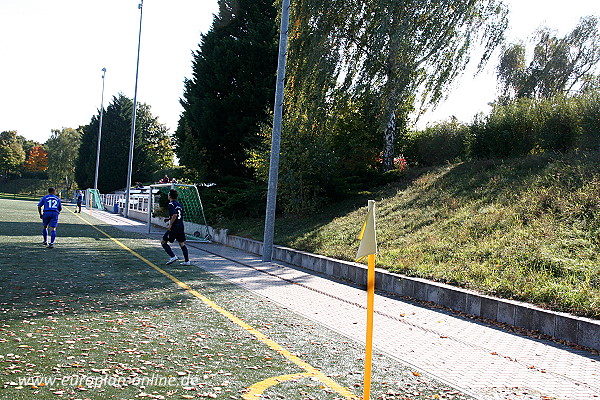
(206, 237)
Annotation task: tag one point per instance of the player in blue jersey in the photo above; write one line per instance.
(176, 230)
(79, 200)
(51, 206)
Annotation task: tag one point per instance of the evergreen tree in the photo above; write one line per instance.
(231, 91)
(152, 147)
(114, 148)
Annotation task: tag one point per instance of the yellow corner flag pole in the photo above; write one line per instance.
(368, 247)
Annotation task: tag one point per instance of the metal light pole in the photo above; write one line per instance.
(99, 132)
(131, 142)
(276, 134)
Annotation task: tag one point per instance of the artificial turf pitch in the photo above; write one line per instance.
(92, 319)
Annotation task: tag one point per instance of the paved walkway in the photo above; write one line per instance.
(482, 360)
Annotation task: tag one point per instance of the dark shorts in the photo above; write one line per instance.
(171, 236)
(50, 219)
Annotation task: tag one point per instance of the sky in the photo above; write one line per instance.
(472, 94)
(52, 54)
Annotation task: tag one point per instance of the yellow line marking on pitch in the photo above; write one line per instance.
(256, 390)
(310, 370)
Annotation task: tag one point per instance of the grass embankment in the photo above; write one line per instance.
(525, 229)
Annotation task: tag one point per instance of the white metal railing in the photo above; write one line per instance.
(137, 202)
(109, 200)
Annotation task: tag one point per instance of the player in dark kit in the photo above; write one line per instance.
(175, 231)
(52, 207)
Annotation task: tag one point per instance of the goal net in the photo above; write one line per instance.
(194, 219)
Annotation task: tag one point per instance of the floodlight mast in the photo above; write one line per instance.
(276, 134)
(131, 142)
(99, 132)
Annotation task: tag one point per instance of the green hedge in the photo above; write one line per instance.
(444, 142)
(519, 128)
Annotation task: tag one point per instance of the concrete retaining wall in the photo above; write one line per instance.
(582, 331)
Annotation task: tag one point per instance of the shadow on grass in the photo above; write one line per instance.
(64, 229)
(85, 272)
(41, 283)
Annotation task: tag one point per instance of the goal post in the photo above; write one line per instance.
(93, 200)
(194, 219)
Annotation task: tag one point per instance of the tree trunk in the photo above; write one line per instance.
(67, 185)
(388, 143)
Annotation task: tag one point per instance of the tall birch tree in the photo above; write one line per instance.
(408, 52)
(566, 65)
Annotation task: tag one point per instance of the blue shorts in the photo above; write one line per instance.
(50, 219)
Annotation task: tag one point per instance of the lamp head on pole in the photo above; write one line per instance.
(103, 72)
